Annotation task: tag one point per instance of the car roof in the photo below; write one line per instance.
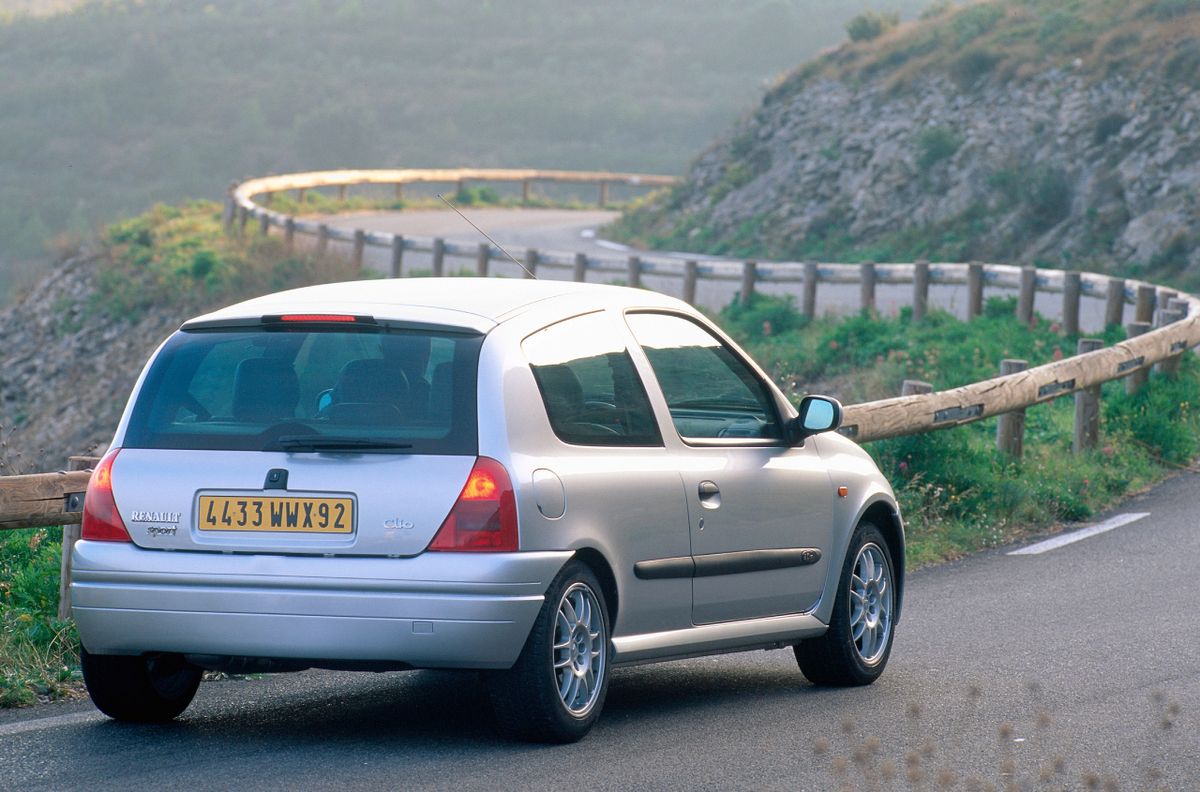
(474, 303)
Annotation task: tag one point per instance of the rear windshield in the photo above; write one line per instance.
(372, 390)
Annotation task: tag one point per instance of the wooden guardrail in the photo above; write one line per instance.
(1165, 323)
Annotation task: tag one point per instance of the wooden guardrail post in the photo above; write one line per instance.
(1028, 287)
(1072, 286)
(749, 277)
(974, 290)
(1087, 406)
(289, 235)
(1114, 303)
(1138, 376)
(531, 262)
(866, 286)
(397, 255)
(360, 244)
(525, 185)
(229, 213)
(264, 225)
(1010, 426)
(579, 272)
(634, 272)
(920, 306)
(399, 192)
(691, 271)
(70, 535)
(482, 258)
(243, 218)
(343, 190)
(1143, 307)
(810, 289)
(1175, 311)
(300, 195)
(913, 387)
(603, 194)
(439, 257)
(322, 239)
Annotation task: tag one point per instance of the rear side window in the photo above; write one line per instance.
(310, 388)
(592, 393)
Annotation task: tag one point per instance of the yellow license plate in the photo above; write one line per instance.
(276, 513)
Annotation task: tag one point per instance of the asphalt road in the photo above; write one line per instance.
(1048, 671)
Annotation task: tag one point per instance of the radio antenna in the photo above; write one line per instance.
(528, 271)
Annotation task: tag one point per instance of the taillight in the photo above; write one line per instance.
(484, 518)
(101, 520)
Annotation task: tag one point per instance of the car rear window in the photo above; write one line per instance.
(311, 389)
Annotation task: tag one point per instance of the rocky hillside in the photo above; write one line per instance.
(67, 368)
(1030, 131)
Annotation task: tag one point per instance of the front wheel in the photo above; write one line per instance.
(145, 688)
(556, 689)
(856, 647)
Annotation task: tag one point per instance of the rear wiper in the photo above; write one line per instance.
(335, 443)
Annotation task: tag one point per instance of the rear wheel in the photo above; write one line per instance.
(145, 688)
(856, 647)
(556, 689)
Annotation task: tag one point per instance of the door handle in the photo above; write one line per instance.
(710, 494)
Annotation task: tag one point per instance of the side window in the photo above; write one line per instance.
(592, 392)
(710, 392)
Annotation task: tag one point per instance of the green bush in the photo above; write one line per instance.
(935, 144)
(38, 653)
(1172, 9)
(972, 66)
(976, 20)
(1047, 195)
(871, 25)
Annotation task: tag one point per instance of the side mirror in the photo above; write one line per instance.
(817, 414)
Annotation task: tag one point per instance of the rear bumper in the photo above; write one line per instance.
(438, 610)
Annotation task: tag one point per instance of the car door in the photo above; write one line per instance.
(760, 510)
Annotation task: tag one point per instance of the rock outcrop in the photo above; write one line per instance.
(929, 145)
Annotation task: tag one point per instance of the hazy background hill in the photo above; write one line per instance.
(1057, 132)
(114, 105)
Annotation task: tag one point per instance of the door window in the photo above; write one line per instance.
(711, 393)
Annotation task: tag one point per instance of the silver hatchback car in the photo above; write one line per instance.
(543, 480)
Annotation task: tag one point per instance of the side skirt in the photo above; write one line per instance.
(766, 633)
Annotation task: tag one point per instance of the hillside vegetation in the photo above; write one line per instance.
(1057, 132)
(119, 104)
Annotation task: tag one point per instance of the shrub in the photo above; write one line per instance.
(976, 20)
(937, 8)
(936, 144)
(972, 66)
(1108, 126)
(1047, 197)
(871, 25)
(1170, 9)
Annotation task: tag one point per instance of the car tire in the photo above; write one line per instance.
(141, 688)
(556, 689)
(856, 647)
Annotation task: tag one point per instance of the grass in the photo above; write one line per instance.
(180, 256)
(957, 492)
(39, 654)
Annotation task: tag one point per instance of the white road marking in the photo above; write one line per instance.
(1082, 533)
(20, 727)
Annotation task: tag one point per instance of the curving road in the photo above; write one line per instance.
(1059, 669)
